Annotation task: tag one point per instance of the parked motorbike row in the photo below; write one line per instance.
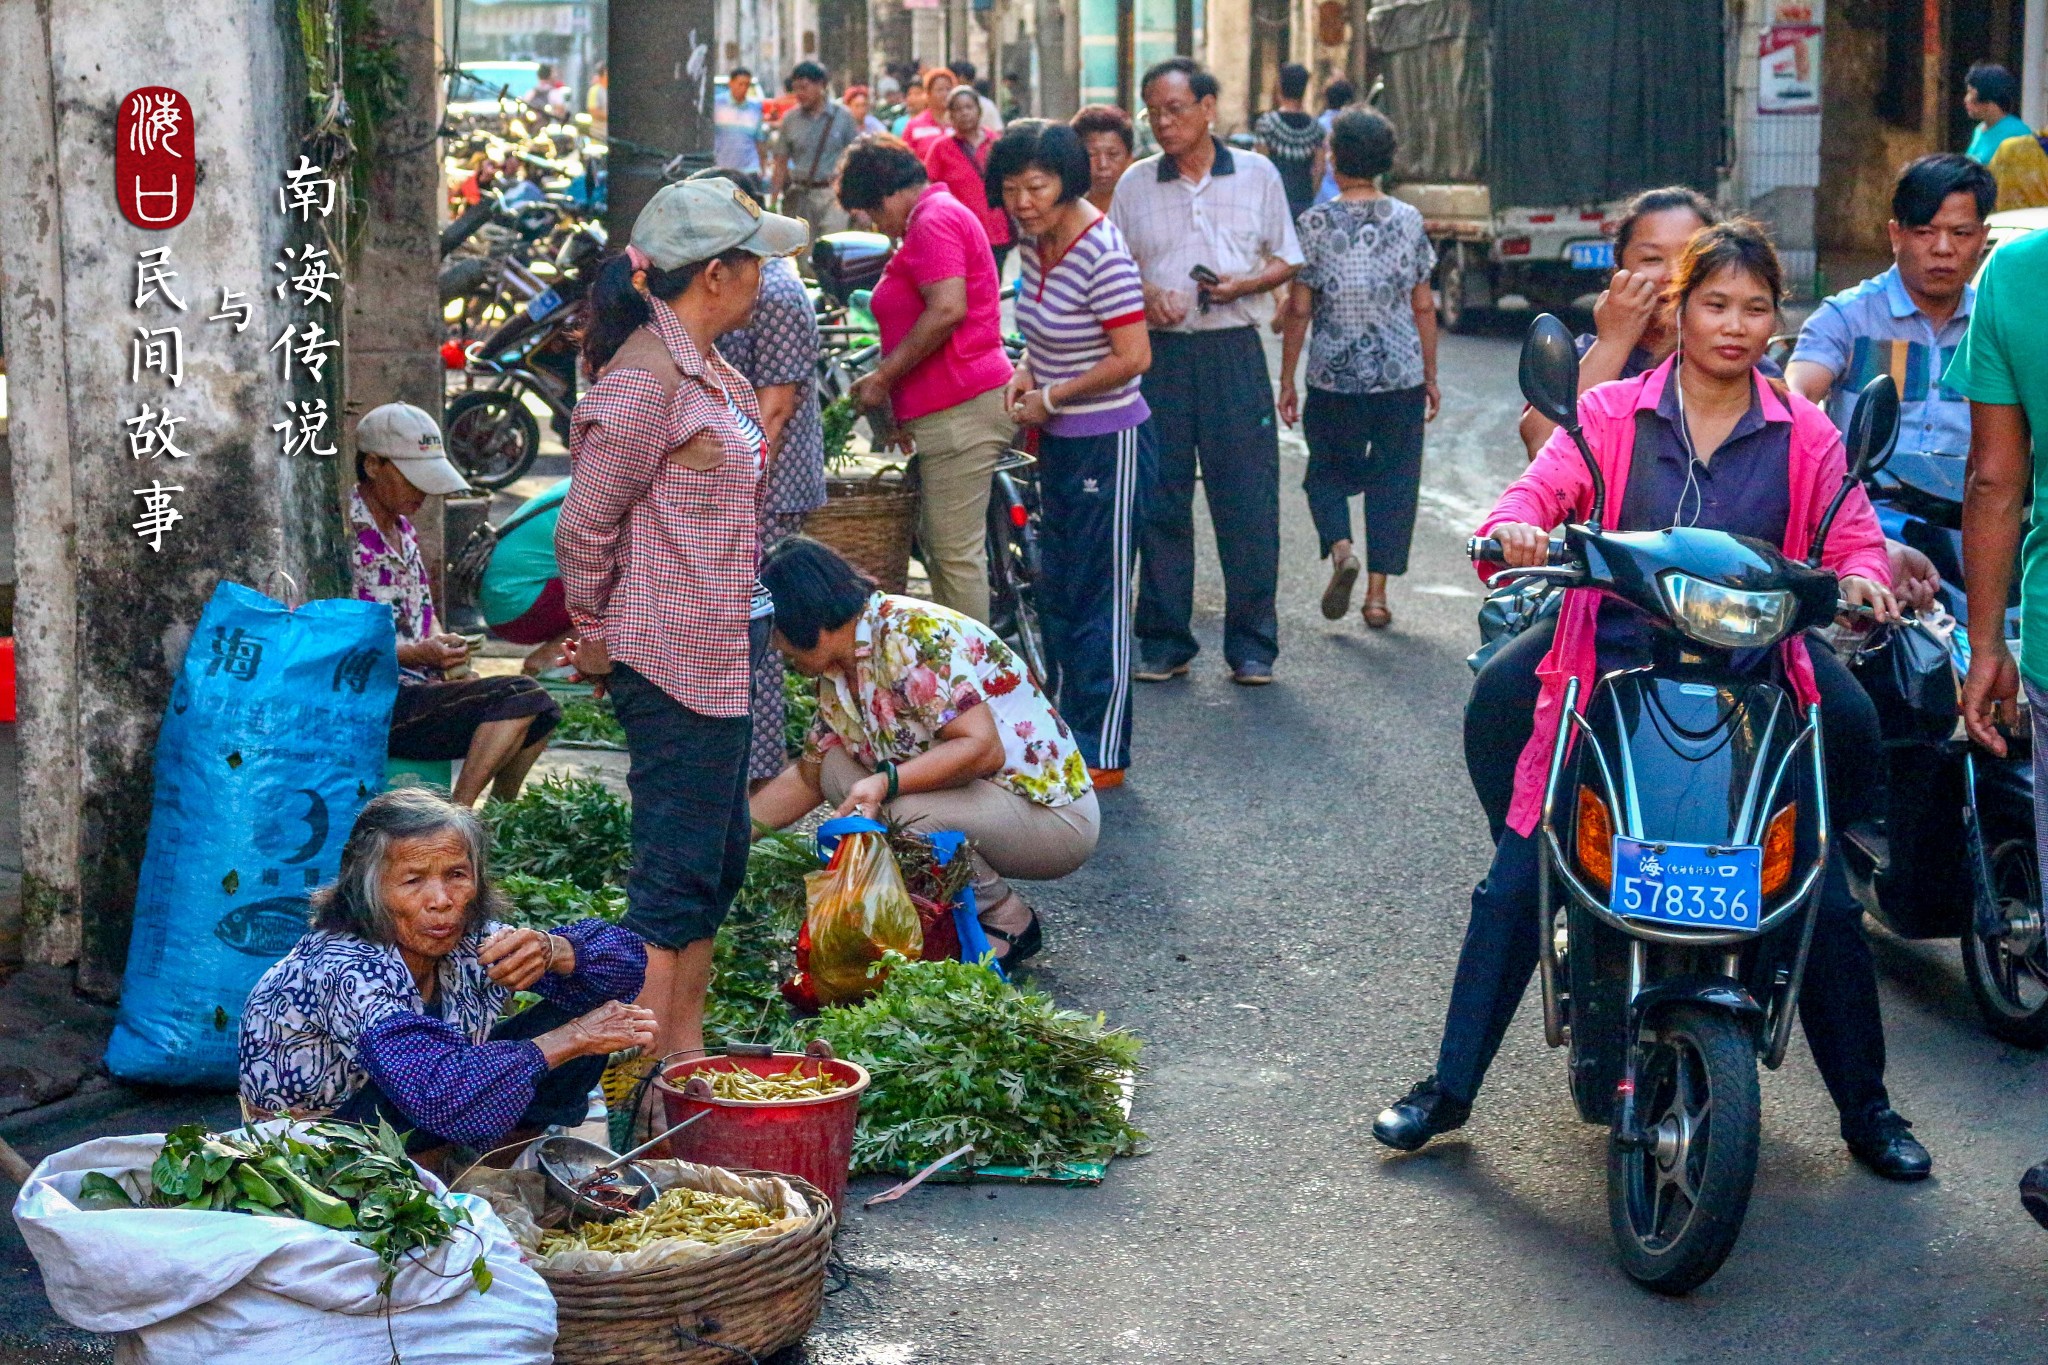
(1685, 829)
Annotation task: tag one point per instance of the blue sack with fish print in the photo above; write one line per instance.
(273, 740)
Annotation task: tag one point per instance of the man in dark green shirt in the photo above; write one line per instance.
(2002, 367)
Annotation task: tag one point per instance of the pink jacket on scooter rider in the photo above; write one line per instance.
(1557, 489)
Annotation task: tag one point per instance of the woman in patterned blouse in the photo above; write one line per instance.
(926, 716)
(390, 1007)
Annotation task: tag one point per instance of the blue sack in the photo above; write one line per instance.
(273, 740)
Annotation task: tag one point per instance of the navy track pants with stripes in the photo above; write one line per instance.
(1088, 547)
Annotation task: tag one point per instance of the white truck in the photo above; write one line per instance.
(1525, 124)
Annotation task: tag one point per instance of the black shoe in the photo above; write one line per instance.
(1420, 1115)
(1023, 945)
(1882, 1142)
(2034, 1192)
(1151, 671)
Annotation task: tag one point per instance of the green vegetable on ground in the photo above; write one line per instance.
(563, 828)
(799, 709)
(959, 1055)
(338, 1175)
(591, 720)
(756, 947)
(551, 902)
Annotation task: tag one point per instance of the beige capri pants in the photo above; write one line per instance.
(957, 449)
(1013, 836)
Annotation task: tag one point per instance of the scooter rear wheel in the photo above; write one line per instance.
(1676, 1204)
(492, 438)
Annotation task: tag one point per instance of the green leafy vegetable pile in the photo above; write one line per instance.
(590, 719)
(549, 903)
(837, 420)
(756, 947)
(799, 709)
(959, 1055)
(337, 1175)
(563, 828)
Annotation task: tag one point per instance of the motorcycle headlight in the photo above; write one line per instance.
(1727, 617)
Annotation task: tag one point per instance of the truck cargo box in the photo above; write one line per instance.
(1554, 102)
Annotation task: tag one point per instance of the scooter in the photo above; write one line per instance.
(1958, 855)
(1683, 838)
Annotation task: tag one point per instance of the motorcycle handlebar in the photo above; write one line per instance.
(1487, 550)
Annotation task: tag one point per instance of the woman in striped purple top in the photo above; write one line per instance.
(1081, 308)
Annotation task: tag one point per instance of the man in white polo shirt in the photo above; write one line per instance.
(1202, 211)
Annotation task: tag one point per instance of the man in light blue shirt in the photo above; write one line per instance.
(1989, 93)
(1908, 321)
(738, 124)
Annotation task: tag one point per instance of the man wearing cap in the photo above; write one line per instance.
(658, 546)
(496, 726)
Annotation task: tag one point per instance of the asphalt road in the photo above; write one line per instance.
(1275, 908)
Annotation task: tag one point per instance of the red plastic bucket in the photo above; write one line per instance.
(812, 1138)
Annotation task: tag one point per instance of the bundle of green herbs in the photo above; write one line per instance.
(799, 709)
(563, 829)
(338, 1175)
(959, 1055)
(756, 947)
(590, 720)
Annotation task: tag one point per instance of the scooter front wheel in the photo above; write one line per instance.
(2008, 971)
(1676, 1201)
(492, 437)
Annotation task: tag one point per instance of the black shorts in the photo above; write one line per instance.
(436, 720)
(691, 830)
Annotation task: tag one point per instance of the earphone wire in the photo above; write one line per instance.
(1692, 459)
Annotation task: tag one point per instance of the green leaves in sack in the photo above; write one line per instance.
(335, 1175)
(591, 720)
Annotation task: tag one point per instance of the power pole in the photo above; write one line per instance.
(663, 58)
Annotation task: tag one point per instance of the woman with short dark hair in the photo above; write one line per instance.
(390, 1008)
(1081, 308)
(927, 719)
(1371, 365)
(943, 365)
(1105, 133)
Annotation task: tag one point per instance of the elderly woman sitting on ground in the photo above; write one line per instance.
(390, 1007)
(926, 718)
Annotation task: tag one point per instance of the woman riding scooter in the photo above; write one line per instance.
(1705, 440)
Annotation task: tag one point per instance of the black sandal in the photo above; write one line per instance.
(1022, 946)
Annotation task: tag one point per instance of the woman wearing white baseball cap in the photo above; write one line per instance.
(658, 547)
(496, 726)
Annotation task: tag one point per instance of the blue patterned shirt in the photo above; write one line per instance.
(338, 1011)
(1875, 328)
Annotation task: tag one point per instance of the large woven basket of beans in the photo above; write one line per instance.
(674, 1298)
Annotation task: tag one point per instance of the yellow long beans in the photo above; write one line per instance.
(681, 1212)
(793, 1084)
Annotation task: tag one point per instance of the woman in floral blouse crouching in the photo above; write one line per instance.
(927, 718)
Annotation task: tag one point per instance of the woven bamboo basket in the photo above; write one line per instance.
(870, 521)
(759, 1297)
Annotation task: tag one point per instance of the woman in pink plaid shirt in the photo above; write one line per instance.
(658, 545)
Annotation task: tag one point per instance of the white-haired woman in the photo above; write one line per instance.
(390, 1007)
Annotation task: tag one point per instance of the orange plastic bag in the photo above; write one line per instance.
(859, 909)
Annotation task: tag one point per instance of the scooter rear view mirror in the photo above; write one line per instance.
(1550, 382)
(1550, 371)
(1873, 427)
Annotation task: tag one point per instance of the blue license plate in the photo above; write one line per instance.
(1592, 255)
(544, 305)
(1695, 885)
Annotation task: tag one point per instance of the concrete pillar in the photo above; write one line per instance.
(662, 68)
(102, 620)
(1228, 55)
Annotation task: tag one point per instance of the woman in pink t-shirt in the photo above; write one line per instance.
(943, 366)
(928, 125)
(960, 163)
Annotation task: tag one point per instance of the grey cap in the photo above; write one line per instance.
(695, 220)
